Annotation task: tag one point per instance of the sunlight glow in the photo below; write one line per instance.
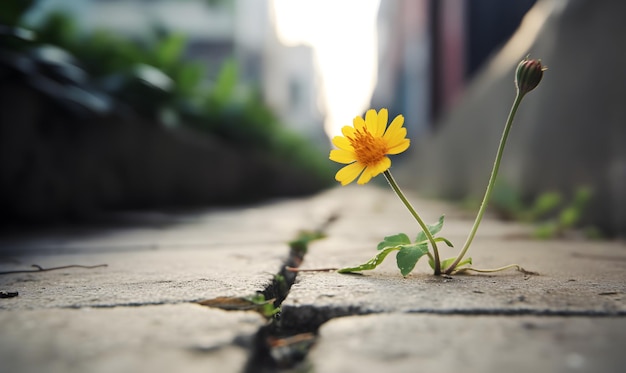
(343, 36)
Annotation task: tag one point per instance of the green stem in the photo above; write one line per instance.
(406, 202)
(516, 266)
(492, 181)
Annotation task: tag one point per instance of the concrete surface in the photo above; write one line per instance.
(164, 338)
(136, 315)
(575, 277)
(140, 314)
(455, 343)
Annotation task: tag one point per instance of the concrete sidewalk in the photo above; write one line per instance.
(140, 312)
(569, 318)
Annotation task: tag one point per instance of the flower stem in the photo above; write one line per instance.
(492, 181)
(429, 236)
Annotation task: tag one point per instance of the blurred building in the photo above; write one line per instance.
(404, 62)
(217, 30)
(287, 75)
(568, 137)
(429, 49)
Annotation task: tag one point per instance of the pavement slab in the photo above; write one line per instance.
(579, 285)
(143, 278)
(155, 258)
(164, 338)
(455, 343)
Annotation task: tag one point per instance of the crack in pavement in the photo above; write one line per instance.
(276, 348)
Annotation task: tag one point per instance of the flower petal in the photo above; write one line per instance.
(383, 117)
(342, 143)
(347, 174)
(342, 156)
(400, 147)
(366, 176)
(394, 127)
(381, 166)
(396, 138)
(347, 131)
(358, 123)
(371, 121)
(374, 170)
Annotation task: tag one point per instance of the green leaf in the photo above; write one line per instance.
(372, 263)
(447, 242)
(394, 241)
(265, 307)
(408, 256)
(569, 217)
(446, 262)
(433, 229)
(544, 204)
(301, 243)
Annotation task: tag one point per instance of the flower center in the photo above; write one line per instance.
(368, 149)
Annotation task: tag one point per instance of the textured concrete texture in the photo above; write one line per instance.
(434, 343)
(569, 317)
(165, 338)
(136, 314)
(139, 313)
(166, 260)
(575, 277)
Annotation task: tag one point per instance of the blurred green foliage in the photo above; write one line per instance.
(12, 11)
(152, 78)
(264, 306)
(551, 213)
(508, 203)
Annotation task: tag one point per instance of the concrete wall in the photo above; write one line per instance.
(569, 132)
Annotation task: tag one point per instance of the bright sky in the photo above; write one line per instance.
(343, 35)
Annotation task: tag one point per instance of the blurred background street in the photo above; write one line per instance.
(109, 106)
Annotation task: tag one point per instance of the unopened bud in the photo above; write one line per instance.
(528, 75)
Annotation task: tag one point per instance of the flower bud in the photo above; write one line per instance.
(528, 75)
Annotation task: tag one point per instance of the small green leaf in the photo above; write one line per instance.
(265, 307)
(372, 263)
(433, 229)
(301, 243)
(394, 241)
(569, 217)
(408, 256)
(439, 239)
(544, 204)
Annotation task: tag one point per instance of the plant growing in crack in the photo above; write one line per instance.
(364, 148)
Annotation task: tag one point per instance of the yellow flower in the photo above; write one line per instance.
(365, 146)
